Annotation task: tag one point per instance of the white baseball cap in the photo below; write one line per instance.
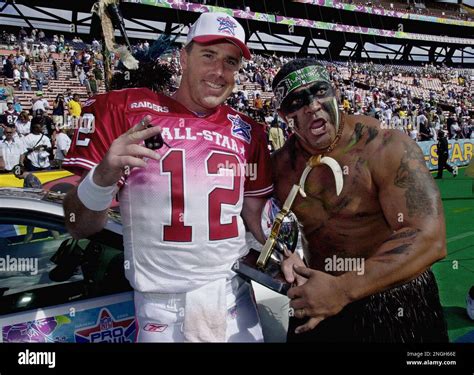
(215, 26)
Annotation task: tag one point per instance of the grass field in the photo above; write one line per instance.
(455, 273)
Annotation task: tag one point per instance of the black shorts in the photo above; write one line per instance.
(409, 313)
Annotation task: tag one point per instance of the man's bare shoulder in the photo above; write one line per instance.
(287, 162)
(394, 157)
(359, 133)
(282, 157)
(368, 132)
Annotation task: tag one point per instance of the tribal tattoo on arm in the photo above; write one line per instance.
(417, 182)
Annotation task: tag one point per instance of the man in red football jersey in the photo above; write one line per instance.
(183, 207)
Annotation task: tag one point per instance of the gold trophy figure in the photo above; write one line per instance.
(264, 268)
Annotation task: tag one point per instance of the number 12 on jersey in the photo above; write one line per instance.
(173, 164)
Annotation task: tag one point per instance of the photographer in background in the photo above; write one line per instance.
(38, 146)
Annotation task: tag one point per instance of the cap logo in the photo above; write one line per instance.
(226, 25)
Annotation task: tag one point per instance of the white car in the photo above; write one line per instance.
(56, 289)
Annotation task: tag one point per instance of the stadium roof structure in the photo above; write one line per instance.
(268, 33)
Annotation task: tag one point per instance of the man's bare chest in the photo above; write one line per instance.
(358, 197)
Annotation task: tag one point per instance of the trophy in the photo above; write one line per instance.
(264, 267)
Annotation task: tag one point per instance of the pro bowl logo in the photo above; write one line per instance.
(89, 102)
(240, 128)
(226, 25)
(108, 329)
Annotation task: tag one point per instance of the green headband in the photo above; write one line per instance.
(300, 78)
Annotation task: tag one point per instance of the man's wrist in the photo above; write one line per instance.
(348, 286)
(94, 196)
(103, 178)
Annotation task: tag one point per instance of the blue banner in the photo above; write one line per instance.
(460, 152)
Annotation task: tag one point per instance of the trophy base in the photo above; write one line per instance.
(271, 276)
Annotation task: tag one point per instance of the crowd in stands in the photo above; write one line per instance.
(418, 100)
(43, 81)
(430, 8)
(441, 9)
(85, 63)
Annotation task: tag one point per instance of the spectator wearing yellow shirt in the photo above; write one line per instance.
(258, 102)
(276, 136)
(74, 106)
(346, 105)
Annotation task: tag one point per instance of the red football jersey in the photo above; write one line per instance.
(181, 215)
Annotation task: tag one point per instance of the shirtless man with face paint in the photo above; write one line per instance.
(388, 219)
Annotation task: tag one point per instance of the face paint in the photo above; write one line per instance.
(321, 91)
(331, 107)
(297, 100)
